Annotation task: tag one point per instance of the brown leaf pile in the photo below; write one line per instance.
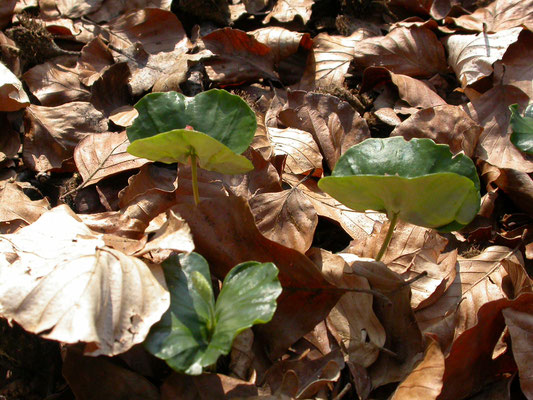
(84, 225)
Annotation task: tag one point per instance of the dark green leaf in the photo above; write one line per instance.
(522, 136)
(419, 180)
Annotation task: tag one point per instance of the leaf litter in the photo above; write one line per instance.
(85, 226)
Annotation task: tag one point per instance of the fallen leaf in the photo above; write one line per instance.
(6, 12)
(56, 82)
(518, 186)
(518, 64)
(94, 60)
(285, 11)
(220, 226)
(472, 56)
(52, 133)
(17, 209)
(63, 285)
(9, 140)
(444, 124)
(101, 155)
(110, 92)
(303, 154)
(282, 42)
(239, 57)
(413, 91)
(414, 52)
(76, 9)
(12, 95)
(334, 124)
(362, 335)
(286, 217)
(425, 381)
(148, 40)
(110, 9)
(491, 112)
(497, 16)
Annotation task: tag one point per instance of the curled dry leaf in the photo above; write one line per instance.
(101, 155)
(472, 56)
(60, 280)
(110, 92)
(149, 41)
(491, 111)
(425, 381)
(94, 60)
(12, 94)
(518, 186)
(303, 154)
(17, 209)
(220, 227)
(56, 82)
(282, 42)
(288, 11)
(286, 217)
(497, 273)
(444, 124)
(413, 91)
(497, 16)
(415, 52)
(362, 335)
(518, 63)
(239, 57)
(52, 133)
(334, 124)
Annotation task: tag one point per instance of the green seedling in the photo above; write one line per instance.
(209, 130)
(196, 330)
(417, 181)
(522, 136)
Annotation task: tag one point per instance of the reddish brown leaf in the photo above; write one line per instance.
(518, 186)
(52, 133)
(414, 52)
(444, 124)
(334, 124)
(224, 232)
(110, 8)
(239, 57)
(6, 12)
(17, 209)
(110, 92)
(94, 60)
(491, 111)
(56, 82)
(101, 155)
(286, 217)
(9, 140)
(518, 63)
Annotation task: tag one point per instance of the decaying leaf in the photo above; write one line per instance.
(60, 280)
(12, 95)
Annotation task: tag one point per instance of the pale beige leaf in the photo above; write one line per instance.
(491, 111)
(288, 11)
(520, 324)
(281, 41)
(425, 381)
(12, 94)
(286, 217)
(303, 155)
(57, 278)
(472, 56)
(101, 155)
(497, 16)
(360, 331)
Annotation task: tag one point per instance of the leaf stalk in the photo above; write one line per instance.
(194, 171)
(388, 237)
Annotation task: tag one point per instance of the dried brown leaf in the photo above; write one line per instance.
(415, 52)
(288, 11)
(286, 217)
(518, 64)
(52, 133)
(444, 124)
(491, 111)
(17, 209)
(94, 60)
(282, 42)
(12, 94)
(111, 8)
(472, 56)
(334, 124)
(110, 92)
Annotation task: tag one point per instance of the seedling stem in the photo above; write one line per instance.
(194, 171)
(392, 225)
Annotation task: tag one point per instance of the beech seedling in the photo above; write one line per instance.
(522, 126)
(417, 181)
(196, 330)
(209, 130)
